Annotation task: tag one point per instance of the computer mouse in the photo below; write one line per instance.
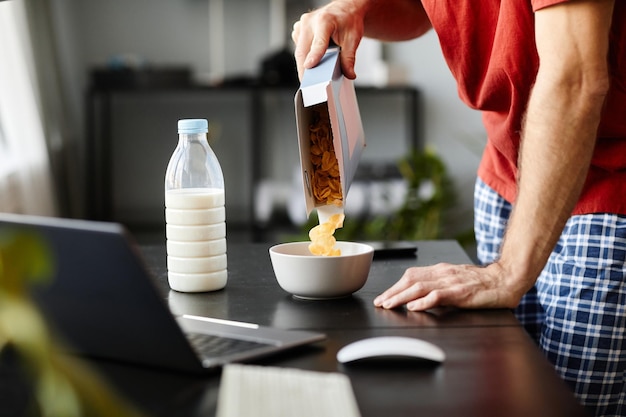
(390, 347)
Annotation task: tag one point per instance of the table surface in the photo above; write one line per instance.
(492, 367)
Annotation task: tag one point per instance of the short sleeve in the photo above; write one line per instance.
(541, 4)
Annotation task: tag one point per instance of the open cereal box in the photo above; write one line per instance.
(330, 135)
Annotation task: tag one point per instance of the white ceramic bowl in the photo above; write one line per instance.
(321, 277)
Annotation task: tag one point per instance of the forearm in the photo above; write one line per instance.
(558, 140)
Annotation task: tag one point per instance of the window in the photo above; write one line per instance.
(25, 179)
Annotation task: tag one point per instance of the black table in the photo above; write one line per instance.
(492, 367)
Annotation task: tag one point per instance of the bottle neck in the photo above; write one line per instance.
(185, 139)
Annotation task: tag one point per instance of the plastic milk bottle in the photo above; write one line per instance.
(195, 213)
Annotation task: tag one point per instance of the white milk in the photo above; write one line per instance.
(196, 249)
(184, 265)
(195, 232)
(210, 281)
(183, 217)
(194, 198)
(196, 239)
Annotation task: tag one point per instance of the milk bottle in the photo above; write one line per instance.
(195, 213)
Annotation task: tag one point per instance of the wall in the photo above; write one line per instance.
(165, 32)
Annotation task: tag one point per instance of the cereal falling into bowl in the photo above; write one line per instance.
(322, 239)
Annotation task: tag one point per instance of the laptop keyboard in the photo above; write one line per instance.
(211, 345)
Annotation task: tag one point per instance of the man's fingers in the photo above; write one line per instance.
(318, 49)
(313, 33)
(423, 288)
(310, 36)
(431, 300)
(390, 292)
(302, 41)
(349, 46)
(402, 292)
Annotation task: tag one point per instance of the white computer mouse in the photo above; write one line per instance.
(390, 347)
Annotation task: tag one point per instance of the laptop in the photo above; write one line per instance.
(104, 304)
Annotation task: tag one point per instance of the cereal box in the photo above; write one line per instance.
(330, 135)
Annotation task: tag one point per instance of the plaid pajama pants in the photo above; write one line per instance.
(576, 310)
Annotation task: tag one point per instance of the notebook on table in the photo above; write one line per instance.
(104, 303)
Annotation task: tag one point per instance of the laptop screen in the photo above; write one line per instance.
(101, 300)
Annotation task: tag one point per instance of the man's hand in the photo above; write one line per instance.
(345, 22)
(465, 286)
(339, 21)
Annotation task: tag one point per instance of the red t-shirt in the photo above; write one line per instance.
(489, 46)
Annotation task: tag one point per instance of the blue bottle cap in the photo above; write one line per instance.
(193, 126)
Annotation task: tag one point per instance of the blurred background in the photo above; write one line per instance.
(90, 93)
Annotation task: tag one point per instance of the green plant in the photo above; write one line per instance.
(63, 386)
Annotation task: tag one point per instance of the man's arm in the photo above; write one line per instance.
(558, 138)
(347, 21)
(559, 132)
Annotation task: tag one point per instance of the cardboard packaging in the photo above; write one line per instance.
(324, 88)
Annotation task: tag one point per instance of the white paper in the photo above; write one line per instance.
(263, 391)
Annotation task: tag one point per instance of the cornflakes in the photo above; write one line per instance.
(326, 180)
(322, 239)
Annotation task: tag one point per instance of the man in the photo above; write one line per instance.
(550, 203)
